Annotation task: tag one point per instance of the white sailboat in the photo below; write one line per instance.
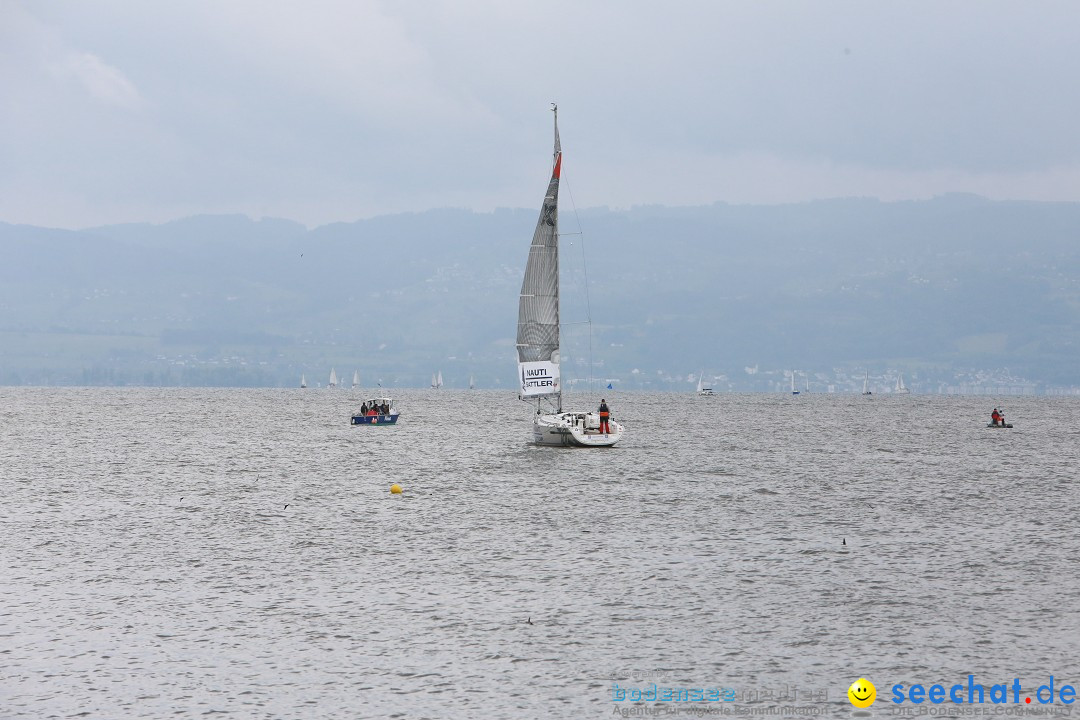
(333, 378)
(356, 378)
(793, 390)
(900, 388)
(538, 333)
(472, 383)
(303, 381)
(701, 389)
(866, 383)
(436, 380)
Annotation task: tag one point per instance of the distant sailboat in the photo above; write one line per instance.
(333, 378)
(701, 389)
(866, 384)
(356, 378)
(793, 390)
(900, 388)
(472, 383)
(436, 381)
(303, 381)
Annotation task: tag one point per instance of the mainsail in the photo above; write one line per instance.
(538, 306)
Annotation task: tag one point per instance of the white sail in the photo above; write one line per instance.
(793, 390)
(472, 383)
(356, 378)
(538, 303)
(333, 377)
(303, 381)
(438, 382)
(866, 383)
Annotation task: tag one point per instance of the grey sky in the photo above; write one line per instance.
(331, 110)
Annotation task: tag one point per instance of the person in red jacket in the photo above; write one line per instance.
(997, 418)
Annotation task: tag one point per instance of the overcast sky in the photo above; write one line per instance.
(334, 110)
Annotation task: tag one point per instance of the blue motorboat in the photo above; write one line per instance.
(376, 411)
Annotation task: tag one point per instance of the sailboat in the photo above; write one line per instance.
(701, 389)
(538, 333)
(900, 389)
(356, 378)
(866, 383)
(793, 390)
(333, 378)
(436, 380)
(472, 383)
(303, 381)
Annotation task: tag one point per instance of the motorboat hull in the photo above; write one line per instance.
(390, 419)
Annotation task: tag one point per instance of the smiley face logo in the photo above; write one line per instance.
(862, 693)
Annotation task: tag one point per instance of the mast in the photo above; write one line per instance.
(556, 161)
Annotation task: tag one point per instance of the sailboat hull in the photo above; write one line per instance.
(574, 429)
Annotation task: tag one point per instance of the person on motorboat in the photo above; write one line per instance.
(605, 413)
(363, 408)
(996, 418)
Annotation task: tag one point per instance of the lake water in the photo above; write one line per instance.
(172, 553)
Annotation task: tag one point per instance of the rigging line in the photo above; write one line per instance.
(585, 269)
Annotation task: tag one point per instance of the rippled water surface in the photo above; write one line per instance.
(169, 553)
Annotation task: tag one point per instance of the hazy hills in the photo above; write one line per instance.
(935, 288)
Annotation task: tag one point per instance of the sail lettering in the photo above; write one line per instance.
(539, 378)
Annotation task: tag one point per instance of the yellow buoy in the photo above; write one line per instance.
(395, 489)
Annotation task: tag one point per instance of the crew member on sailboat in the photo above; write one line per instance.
(604, 415)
